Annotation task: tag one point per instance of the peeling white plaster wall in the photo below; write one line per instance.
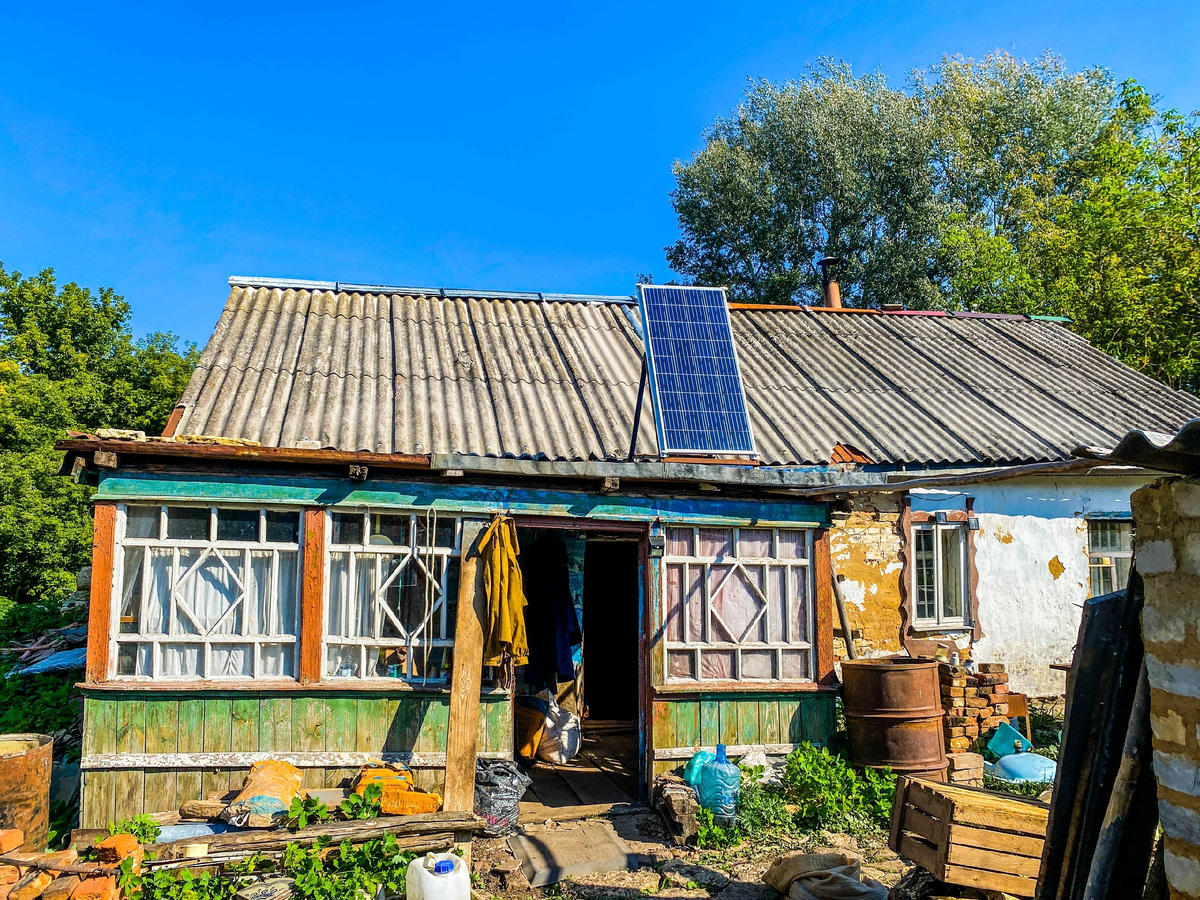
(1031, 555)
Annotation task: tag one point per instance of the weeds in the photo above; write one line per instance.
(144, 828)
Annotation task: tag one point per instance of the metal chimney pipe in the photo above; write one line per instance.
(831, 291)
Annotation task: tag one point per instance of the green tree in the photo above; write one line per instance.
(68, 360)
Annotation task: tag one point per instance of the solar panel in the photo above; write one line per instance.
(695, 382)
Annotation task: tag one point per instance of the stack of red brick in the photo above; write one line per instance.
(975, 702)
(33, 883)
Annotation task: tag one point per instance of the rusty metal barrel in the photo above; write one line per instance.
(894, 715)
(25, 763)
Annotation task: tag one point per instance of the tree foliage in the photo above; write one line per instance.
(996, 185)
(68, 360)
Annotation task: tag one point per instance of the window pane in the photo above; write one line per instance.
(231, 659)
(342, 661)
(715, 542)
(158, 597)
(682, 663)
(237, 525)
(679, 542)
(208, 593)
(142, 521)
(443, 532)
(1107, 536)
(283, 527)
(1101, 578)
(799, 605)
(793, 544)
(390, 530)
(923, 559)
(131, 591)
(181, 659)
(777, 613)
(347, 528)
(716, 663)
(277, 660)
(187, 523)
(1123, 565)
(952, 572)
(754, 543)
(133, 659)
(673, 602)
(735, 604)
(758, 664)
(795, 666)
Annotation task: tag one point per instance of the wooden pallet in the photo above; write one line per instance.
(969, 836)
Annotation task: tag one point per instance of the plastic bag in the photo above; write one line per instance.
(561, 737)
(267, 792)
(499, 786)
(823, 876)
(691, 772)
(399, 795)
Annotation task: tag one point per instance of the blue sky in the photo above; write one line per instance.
(527, 147)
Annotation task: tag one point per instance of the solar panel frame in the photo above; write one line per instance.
(657, 372)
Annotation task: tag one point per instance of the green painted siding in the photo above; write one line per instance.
(741, 718)
(251, 722)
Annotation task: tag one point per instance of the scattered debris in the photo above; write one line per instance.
(556, 854)
(678, 804)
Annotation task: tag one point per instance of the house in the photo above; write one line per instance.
(280, 573)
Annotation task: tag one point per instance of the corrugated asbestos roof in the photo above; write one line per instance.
(555, 377)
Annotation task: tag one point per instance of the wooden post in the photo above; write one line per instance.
(823, 639)
(104, 534)
(462, 730)
(312, 597)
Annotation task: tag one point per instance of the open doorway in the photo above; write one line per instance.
(583, 590)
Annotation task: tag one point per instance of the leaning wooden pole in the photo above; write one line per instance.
(466, 678)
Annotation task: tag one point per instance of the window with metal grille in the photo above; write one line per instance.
(737, 604)
(940, 575)
(206, 592)
(391, 593)
(1110, 554)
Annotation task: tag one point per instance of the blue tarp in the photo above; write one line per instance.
(56, 662)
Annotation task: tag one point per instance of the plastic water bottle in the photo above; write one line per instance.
(438, 876)
(719, 783)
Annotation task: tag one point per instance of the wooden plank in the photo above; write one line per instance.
(990, 881)
(275, 723)
(987, 839)
(710, 722)
(734, 750)
(481, 725)
(1016, 818)
(768, 722)
(341, 735)
(308, 733)
(218, 738)
(189, 784)
(500, 726)
(926, 800)
(993, 861)
(312, 597)
(466, 679)
(747, 716)
(921, 853)
(131, 738)
(898, 804)
(228, 761)
(823, 611)
(405, 726)
(923, 825)
(816, 719)
(244, 739)
(791, 726)
(729, 722)
(162, 736)
(99, 736)
(100, 603)
(372, 724)
(662, 724)
(687, 723)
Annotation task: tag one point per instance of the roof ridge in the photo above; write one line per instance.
(351, 287)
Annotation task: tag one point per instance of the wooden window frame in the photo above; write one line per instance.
(1095, 555)
(224, 550)
(735, 562)
(411, 555)
(939, 621)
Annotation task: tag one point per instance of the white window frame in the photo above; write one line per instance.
(1095, 555)
(418, 556)
(222, 550)
(940, 621)
(794, 568)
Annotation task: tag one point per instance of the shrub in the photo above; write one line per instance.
(832, 794)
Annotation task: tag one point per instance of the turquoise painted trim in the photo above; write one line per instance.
(462, 499)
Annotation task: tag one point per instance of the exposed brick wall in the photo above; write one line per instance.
(865, 546)
(1168, 557)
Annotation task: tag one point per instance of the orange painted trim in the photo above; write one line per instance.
(173, 421)
(312, 596)
(823, 583)
(104, 534)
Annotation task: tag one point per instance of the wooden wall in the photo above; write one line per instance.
(739, 719)
(129, 722)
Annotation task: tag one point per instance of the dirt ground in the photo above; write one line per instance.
(670, 872)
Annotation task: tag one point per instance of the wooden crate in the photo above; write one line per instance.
(969, 836)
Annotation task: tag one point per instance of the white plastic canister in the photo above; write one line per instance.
(438, 876)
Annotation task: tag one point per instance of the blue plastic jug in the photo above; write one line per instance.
(719, 783)
(1025, 767)
(691, 772)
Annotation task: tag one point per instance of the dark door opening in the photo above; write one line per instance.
(610, 627)
(602, 572)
